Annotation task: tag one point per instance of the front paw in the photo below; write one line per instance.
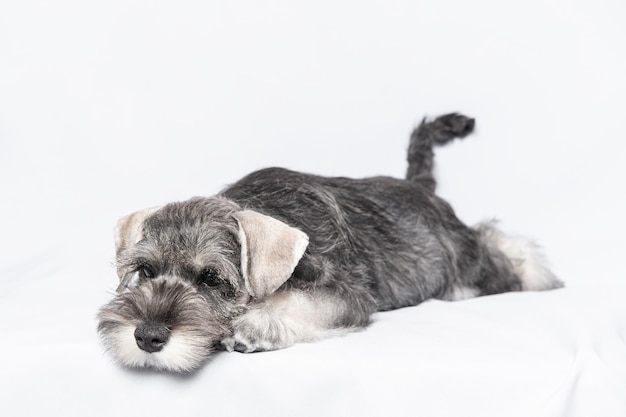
(258, 331)
(237, 344)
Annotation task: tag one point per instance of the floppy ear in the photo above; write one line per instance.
(270, 251)
(127, 233)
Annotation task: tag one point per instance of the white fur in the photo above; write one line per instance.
(283, 319)
(178, 355)
(525, 255)
(458, 293)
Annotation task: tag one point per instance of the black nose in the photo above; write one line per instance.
(151, 337)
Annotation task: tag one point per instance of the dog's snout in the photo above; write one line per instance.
(151, 337)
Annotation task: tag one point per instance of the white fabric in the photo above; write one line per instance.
(110, 107)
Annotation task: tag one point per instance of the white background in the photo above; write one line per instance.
(109, 107)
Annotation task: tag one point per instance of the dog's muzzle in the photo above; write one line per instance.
(165, 323)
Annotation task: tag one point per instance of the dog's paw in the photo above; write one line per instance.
(234, 344)
(258, 331)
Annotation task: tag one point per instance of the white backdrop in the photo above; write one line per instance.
(108, 107)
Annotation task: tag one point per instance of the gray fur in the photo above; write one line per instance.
(374, 244)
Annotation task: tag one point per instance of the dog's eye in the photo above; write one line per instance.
(210, 277)
(145, 272)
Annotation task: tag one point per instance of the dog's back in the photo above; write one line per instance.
(393, 241)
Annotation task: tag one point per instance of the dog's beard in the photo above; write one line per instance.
(194, 323)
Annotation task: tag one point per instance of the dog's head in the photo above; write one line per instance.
(186, 271)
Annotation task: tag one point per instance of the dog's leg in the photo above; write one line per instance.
(292, 316)
(524, 257)
(437, 132)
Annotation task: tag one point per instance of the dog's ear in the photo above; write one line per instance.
(128, 232)
(270, 251)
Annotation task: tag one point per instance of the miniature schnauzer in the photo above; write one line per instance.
(282, 257)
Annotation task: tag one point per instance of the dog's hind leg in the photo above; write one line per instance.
(428, 134)
(522, 255)
(292, 316)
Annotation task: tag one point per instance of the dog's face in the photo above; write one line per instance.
(186, 271)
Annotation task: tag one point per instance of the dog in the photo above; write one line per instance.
(282, 257)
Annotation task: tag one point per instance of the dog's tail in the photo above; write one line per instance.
(428, 134)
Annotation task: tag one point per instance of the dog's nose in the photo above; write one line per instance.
(151, 337)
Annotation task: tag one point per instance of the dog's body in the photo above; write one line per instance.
(282, 257)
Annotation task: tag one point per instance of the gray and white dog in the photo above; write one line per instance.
(282, 257)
